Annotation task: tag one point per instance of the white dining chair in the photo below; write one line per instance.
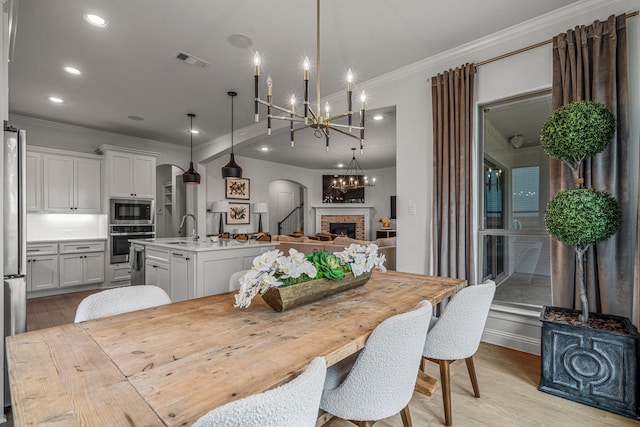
(294, 404)
(120, 300)
(380, 383)
(234, 280)
(456, 335)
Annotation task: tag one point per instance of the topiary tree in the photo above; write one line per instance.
(580, 217)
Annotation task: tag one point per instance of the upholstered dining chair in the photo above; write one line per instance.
(120, 300)
(234, 280)
(294, 404)
(456, 335)
(380, 382)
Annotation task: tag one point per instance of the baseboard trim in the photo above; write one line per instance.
(509, 340)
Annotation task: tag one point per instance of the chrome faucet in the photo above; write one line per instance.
(194, 234)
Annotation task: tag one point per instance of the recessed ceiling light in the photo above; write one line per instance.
(378, 117)
(55, 99)
(195, 131)
(96, 20)
(72, 70)
(240, 41)
(135, 118)
(340, 165)
(264, 148)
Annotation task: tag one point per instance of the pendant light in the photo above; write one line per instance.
(232, 169)
(191, 176)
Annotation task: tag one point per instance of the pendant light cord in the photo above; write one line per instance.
(232, 96)
(191, 136)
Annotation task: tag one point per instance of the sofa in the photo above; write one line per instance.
(306, 245)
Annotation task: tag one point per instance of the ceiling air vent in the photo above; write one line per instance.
(191, 60)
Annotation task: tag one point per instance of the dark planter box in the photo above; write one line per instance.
(595, 367)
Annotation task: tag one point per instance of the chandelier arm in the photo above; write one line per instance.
(338, 125)
(314, 116)
(336, 117)
(284, 110)
(343, 132)
(297, 120)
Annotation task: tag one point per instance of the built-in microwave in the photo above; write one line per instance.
(131, 211)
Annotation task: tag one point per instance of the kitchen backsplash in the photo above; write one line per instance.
(65, 227)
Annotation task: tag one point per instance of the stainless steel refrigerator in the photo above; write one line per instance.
(14, 240)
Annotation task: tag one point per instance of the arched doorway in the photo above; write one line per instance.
(170, 200)
(287, 198)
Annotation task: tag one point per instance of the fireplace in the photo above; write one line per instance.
(343, 228)
(344, 213)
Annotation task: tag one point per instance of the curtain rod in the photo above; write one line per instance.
(533, 46)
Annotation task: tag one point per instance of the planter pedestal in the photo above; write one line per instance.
(591, 366)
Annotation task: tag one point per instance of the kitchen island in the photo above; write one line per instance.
(188, 269)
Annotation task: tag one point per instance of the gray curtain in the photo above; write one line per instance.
(590, 63)
(452, 101)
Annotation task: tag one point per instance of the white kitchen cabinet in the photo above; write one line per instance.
(71, 184)
(42, 266)
(182, 276)
(33, 189)
(131, 175)
(158, 274)
(120, 272)
(214, 269)
(81, 263)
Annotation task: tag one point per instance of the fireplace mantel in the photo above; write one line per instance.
(354, 209)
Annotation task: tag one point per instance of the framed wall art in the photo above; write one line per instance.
(238, 213)
(237, 188)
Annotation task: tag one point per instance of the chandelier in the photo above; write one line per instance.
(314, 119)
(354, 178)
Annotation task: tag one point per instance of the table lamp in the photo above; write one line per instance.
(260, 208)
(221, 207)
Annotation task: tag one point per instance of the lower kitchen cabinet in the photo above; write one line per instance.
(81, 269)
(42, 266)
(42, 272)
(64, 264)
(182, 276)
(158, 274)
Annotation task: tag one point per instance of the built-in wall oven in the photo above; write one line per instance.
(131, 211)
(120, 234)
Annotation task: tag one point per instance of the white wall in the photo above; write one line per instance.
(262, 173)
(43, 133)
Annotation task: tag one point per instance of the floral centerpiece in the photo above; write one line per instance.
(274, 270)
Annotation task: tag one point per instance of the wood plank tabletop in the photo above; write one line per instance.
(187, 358)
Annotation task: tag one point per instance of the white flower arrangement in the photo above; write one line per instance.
(273, 269)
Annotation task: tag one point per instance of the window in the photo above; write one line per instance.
(515, 248)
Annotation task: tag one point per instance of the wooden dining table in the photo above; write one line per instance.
(170, 365)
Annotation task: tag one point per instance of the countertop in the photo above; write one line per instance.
(203, 245)
(65, 240)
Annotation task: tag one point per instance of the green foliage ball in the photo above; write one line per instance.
(582, 216)
(578, 129)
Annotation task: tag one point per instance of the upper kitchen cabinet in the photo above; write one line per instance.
(63, 181)
(33, 193)
(131, 173)
(71, 184)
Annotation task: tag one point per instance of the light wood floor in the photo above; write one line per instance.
(508, 385)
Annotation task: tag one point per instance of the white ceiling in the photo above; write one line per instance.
(129, 67)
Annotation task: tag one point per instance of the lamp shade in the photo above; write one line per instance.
(191, 176)
(232, 169)
(220, 206)
(260, 208)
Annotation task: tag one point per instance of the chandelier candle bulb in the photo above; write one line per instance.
(349, 97)
(306, 65)
(363, 98)
(293, 113)
(256, 61)
(269, 103)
